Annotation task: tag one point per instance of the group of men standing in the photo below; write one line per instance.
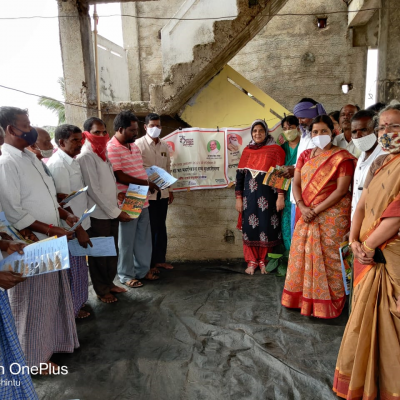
(31, 194)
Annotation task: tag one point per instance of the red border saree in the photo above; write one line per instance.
(314, 279)
(368, 365)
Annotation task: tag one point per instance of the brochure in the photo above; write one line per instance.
(135, 198)
(81, 219)
(6, 227)
(73, 195)
(102, 247)
(42, 257)
(346, 259)
(160, 177)
(272, 179)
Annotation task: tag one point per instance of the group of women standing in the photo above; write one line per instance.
(368, 365)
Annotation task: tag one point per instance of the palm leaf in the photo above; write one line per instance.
(55, 106)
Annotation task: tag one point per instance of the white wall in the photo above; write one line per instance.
(179, 37)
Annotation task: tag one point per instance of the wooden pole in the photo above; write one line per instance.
(96, 59)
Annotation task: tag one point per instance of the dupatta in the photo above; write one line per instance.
(262, 159)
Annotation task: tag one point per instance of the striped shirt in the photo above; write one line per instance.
(128, 160)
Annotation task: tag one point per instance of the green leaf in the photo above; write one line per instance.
(274, 256)
(286, 253)
(282, 270)
(272, 265)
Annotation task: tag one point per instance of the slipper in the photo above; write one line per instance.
(133, 284)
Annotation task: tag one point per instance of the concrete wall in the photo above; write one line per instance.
(113, 66)
(180, 37)
(291, 58)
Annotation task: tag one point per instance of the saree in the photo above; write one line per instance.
(259, 221)
(290, 159)
(368, 365)
(314, 280)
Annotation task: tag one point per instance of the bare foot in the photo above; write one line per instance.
(150, 276)
(398, 304)
(82, 314)
(164, 265)
(155, 270)
(249, 270)
(108, 298)
(117, 289)
(262, 268)
(50, 367)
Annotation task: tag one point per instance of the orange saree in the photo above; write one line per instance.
(314, 279)
(368, 365)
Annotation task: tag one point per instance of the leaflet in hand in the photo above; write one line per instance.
(81, 219)
(74, 194)
(272, 179)
(346, 259)
(39, 258)
(102, 247)
(135, 198)
(7, 228)
(160, 177)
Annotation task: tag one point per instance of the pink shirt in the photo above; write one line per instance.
(129, 161)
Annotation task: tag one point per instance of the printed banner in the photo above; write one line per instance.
(198, 158)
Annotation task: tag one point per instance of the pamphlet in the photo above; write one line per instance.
(102, 247)
(160, 177)
(272, 179)
(73, 195)
(346, 259)
(6, 227)
(39, 258)
(135, 198)
(81, 219)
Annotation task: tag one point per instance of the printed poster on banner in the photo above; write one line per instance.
(198, 158)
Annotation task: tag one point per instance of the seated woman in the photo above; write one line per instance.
(322, 178)
(259, 205)
(291, 132)
(368, 364)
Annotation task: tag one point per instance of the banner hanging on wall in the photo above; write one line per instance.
(198, 158)
(208, 158)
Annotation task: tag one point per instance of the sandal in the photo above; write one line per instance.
(133, 284)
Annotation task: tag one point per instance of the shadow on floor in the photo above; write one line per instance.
(201, 332)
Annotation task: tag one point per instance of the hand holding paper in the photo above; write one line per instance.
(81, 219)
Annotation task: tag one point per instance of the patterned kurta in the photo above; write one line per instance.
(261, 225)
(17, 386)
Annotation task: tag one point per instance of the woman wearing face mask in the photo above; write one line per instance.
(291, 133)
(259, 205)
(321, 183)
(368, 364)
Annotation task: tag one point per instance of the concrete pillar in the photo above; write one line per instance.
(130, 32)
(78, 60)
(389, 46)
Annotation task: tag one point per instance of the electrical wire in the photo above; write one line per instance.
(203, 19)
(95, 108)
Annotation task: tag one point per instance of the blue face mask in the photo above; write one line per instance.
(30, 137)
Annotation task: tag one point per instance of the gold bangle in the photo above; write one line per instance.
(352, 241)
(368, 248)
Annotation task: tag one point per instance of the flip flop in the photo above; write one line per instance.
(136, 284)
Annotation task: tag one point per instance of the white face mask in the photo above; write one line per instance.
(321, 141)
(366, 142)
(154, 132)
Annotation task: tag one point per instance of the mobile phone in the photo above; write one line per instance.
(379, 258)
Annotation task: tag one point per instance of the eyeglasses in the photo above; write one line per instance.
(388, 128)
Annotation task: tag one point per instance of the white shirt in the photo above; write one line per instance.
(98, 175)
(340, 141)
(27, 192)
(360, 174)
(304, 144)
(68, 178)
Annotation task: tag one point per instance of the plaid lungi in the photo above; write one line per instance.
(10, 353)
(79, 282)
(44, 316)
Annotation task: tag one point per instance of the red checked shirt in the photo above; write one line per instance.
(129, 161)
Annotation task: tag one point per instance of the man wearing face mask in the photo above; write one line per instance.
(156, 152)
(43, 147)
(366, 141)
(134, 236)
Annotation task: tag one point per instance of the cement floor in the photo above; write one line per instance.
(201, 332)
